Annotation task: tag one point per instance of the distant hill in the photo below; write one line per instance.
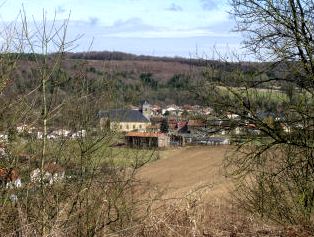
(160, 80)
(118, 80)
(120, 56)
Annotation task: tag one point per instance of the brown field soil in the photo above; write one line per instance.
(196, 198)
(182, 170)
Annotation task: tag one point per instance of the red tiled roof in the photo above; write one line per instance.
(196, 123)
(144, 134)
(9, 174)
(251, 125)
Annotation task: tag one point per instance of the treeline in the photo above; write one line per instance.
(272, 68)
(115, 55)
(121, 56)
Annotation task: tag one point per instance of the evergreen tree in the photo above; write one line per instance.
(164, 127)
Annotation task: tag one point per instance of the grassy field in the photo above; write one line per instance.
(72, 154)
(257, 93)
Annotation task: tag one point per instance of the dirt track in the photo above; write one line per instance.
(182, 170)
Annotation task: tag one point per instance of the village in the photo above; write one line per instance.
(153, 126)
(147, 126)
(143, 127)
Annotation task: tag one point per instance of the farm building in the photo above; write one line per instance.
(177, 140)
(147, 139)
(124, 120)
(195, 124)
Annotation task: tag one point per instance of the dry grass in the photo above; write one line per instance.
(192, 198)
(184, 169)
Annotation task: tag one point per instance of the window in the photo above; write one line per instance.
(127, 126)
(134, 126)
(140, 126)
(121, 127)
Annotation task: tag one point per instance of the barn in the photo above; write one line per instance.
(147, 139)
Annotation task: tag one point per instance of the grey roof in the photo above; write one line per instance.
(124, 115)
(144, 102)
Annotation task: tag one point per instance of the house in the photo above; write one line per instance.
(156, 110)
(40, 135)
(9, 178)
(59, 133)
(79, 134)
(124, 120)
(62, 132)
(52, 172)
(22, 128)
(147, 139)
(2, 150)
(196, 125)
(172, 110)
(3, 137)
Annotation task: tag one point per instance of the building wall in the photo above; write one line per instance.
(148, 142)
(163, 141)
(142, 142)
(128, 126)
(147, 110)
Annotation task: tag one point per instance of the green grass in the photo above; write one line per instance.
(255, 93)
(123, 156)
(72, 153)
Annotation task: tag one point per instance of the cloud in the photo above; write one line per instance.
(174, 7)
(137, 28)
(167, 33)
(136, 36)
(209, 5)
(130, 25)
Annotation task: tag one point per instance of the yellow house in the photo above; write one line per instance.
(124, 120)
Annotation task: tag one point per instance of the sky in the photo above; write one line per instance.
(184, 28)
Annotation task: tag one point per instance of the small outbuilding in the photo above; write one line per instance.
(147, 139)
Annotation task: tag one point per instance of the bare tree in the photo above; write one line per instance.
(75, 185)
(272, 127)
(274, 133)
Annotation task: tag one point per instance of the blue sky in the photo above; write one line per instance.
(187, 28)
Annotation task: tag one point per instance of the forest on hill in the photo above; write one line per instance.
(116, 80)
(160, 80)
